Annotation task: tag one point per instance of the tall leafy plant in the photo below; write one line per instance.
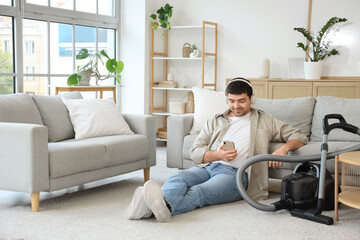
(163, 17)
(320, 44)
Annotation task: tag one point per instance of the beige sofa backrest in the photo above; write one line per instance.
(19, 108)
(296, 111)
(348, 108)
(42, 110)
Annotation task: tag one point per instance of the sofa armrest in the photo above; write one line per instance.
(145, 125)
(178, 126)
(24, 164)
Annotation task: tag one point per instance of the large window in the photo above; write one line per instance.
(49, 37)
(6, 55)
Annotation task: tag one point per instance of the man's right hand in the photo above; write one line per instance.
(227, 155)
(221, 154)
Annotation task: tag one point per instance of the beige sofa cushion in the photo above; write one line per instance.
(55, 115)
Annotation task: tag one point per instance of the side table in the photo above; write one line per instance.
(350, 180)
(100, 89)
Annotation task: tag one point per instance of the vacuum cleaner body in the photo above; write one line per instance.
(300, 189)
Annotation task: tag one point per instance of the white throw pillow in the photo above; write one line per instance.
(95, 118)
(207, 104)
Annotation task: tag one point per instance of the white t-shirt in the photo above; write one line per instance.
(239, 133)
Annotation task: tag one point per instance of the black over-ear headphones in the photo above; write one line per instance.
(239, 79)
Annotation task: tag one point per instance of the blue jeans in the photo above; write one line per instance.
(196, 187)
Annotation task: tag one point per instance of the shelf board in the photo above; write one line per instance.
(350, 198)
(161, 139)
(175, 58)
(190, 27)
(175, 89)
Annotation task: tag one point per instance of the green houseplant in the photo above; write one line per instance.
(319, 44)
(163, 17)
(91, 68)
(319, 48)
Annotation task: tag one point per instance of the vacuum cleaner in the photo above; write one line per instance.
(303, 193)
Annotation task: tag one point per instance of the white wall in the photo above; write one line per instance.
(249, 31)
(133, 51)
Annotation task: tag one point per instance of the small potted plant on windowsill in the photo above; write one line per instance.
(83, 73)
(320, 46)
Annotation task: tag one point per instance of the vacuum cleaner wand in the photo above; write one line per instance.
(310, 214)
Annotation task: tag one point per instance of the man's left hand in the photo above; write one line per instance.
(275, 164)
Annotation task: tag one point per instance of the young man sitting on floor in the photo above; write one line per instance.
(212, 179)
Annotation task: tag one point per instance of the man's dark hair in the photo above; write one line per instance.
(239, 87)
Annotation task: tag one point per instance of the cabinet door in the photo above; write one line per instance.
(337, 89)
(260, 88)
(279, 90)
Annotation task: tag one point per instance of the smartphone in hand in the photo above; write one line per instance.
(229, 145)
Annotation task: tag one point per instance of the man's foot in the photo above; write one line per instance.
(138, 208)
(155, 200)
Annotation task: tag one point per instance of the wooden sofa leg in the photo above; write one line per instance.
(146, 174)
(35, 199)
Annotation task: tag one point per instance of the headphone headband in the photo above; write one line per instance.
(239, 79)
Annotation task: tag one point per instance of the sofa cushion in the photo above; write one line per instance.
(122, 148)
(348, 108)
(207, 104)
(70, 157)
(55, 115)
(19, 108)
(95, 118)
(295, 111)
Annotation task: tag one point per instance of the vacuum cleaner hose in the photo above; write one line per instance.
(279, 158)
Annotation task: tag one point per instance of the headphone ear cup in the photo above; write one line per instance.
(253, 99)
(226, 99)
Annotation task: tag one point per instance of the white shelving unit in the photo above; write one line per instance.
(163, 111)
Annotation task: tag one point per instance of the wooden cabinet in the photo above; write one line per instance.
(346, 87)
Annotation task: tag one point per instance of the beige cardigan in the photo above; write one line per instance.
(264, 129)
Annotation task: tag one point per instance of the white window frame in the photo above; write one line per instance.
(29, 71)
(6, 46)
(23, 10)
(29, 47)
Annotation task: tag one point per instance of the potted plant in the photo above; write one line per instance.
(83, 73)
(163, 17)
(319, 48)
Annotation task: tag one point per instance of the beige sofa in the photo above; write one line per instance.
(304, 113)
(38, 151)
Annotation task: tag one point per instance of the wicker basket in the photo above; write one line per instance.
(186, 50)
(162, 132)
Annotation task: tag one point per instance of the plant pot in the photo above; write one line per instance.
(313, 70)
(85, 79)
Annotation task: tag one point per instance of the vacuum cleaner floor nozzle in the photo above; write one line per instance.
(312, 216)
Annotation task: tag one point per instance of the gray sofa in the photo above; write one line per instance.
(304, 113)
(38, 151)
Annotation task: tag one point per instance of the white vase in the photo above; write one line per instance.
(85, 79)
(195, 54)
(313, 70)
(265, 68)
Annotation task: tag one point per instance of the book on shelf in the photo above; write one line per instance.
(167, 84)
